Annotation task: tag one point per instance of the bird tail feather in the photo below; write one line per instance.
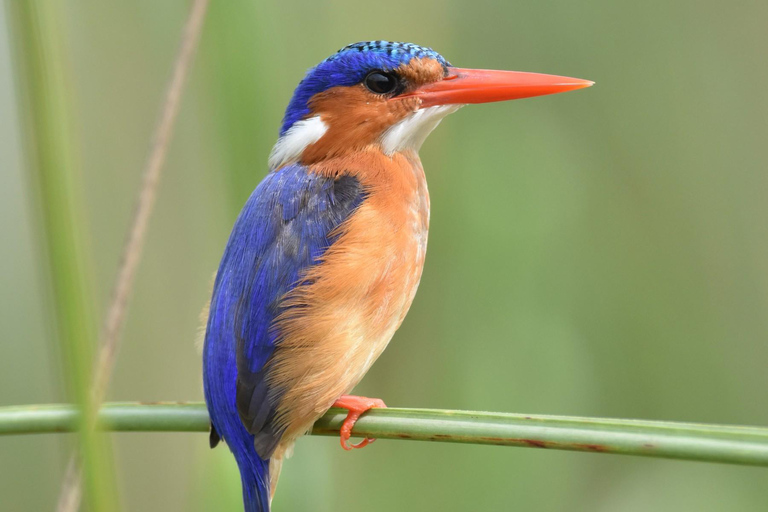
(255, 479)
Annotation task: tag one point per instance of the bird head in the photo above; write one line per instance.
(389, 96)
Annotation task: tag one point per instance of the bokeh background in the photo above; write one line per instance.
(597, 253)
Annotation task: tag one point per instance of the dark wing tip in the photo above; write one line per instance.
(214, 437)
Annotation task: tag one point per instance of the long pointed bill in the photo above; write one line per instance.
(463, 86)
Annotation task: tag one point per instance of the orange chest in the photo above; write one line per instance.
(373, 270)
(377, 261)
(357, 296)
(393, 225)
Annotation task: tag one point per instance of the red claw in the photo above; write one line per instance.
(356, 405)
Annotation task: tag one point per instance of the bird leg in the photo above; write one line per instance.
(355, 405)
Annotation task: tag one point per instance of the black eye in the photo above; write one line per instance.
(381, 82)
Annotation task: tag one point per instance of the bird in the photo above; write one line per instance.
(324, 259)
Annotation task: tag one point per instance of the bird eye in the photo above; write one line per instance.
(380, 82)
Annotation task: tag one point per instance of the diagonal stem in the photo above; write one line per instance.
(134, 245)
(69, 497)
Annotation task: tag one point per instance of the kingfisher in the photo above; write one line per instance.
(326, 255)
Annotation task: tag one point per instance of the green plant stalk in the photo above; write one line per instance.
(659, 439)
(40, 57)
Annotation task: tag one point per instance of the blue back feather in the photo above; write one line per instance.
(348, 67)
(284, 228)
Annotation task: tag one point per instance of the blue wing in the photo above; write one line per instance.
(284, 228)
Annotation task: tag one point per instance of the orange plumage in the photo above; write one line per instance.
(359, 292)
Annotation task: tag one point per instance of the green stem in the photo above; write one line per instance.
(40, 52)
(660, 439)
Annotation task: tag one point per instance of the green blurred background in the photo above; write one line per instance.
(596, 253)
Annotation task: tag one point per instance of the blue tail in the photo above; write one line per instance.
(220, 384)
(254, 471)
(255, 485)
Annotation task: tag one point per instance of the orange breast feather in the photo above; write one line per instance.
(357, 296)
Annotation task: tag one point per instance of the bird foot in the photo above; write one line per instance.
(355, 405)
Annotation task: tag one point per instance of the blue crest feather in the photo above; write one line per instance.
(348, 67)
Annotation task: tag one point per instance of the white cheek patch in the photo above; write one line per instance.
(291, 144)
(410, 133)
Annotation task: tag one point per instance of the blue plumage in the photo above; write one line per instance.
(349, 66)
(403, 51)
(283, 229)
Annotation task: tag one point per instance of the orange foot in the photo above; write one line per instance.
(356, 405)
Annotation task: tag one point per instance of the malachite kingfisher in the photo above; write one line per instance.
(324, 260)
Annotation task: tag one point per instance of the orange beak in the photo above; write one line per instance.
(463, 86)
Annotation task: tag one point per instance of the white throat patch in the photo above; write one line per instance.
(291, 144)
(410, 133)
